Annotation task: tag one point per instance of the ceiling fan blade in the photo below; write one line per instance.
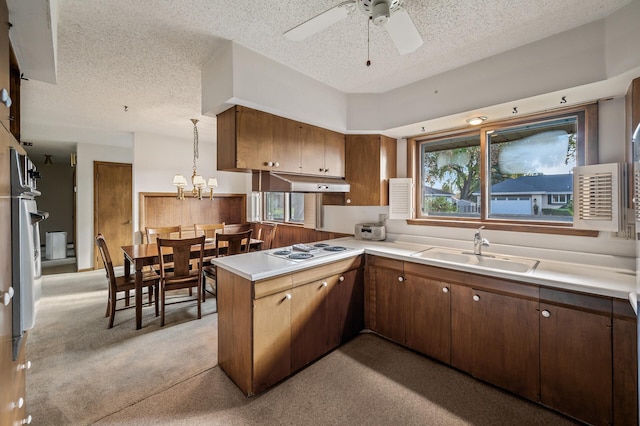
(403, 32)
(321, 21)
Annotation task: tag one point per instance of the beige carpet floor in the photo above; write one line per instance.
(84, 373)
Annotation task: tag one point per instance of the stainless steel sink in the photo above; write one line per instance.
(490, 261)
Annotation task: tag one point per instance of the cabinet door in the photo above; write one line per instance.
(312, 142)
(575, 363)
(345, 306)
(334, 154)
(428, 326)
(309, 333)
(286, 145)
(253, 139)
(390, 304)
(271, 340)
(506, 342)
(362, 170)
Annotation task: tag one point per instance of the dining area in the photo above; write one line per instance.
(173, 258)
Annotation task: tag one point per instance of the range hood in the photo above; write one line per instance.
(264, 181)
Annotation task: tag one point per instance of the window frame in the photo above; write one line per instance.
(586, 153)
(286, 207)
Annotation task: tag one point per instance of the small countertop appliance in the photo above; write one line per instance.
(370, 231)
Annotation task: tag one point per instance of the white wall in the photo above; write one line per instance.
(157, 159)
(87, 154)
(611, 148)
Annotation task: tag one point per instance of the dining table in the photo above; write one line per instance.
(141, 255)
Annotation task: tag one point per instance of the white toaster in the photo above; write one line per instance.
(370, 231)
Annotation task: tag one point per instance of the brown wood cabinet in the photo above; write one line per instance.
(410, 307)
(12, 378)
(625, 364)
(573, 352)
(369, 163)
(495, 337)
(576, 355)
(271, 328)
(249, 139)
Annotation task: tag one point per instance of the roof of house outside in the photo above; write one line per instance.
(539, 184)
(437, 192)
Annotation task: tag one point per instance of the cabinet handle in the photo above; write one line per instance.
(18, 404)
(546, 313)
(326, 170)
(476, 298)
(341, 278)
(348, 200)
(288, 296)
(27, 420)
(445, 290)
(25, 366)
(400, 278)
(324, 284)
(7, 296)
(321, 169)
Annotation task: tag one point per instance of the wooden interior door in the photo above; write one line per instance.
(112, 208)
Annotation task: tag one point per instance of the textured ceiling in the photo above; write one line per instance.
(147, 54)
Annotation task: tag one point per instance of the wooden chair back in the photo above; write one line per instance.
(266, 233)
(210, 230)
(181, 272)
(166, 232)
(234, 243)
(106, 259)
(180, 266)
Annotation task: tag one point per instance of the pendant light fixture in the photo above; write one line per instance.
(197, 181)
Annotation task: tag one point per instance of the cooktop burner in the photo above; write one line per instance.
(299, 256)
(303, 252)
(335, 248)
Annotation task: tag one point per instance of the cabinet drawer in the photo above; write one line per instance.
(385, 262)
(324, 271)
(271, 286)
(581, 301)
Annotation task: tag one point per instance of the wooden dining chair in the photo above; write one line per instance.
(155, 232)
(181, 275)
(118, 284)
(266, 233)
(210, 231)
(227, 245)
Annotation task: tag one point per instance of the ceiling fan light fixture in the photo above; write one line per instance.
(380, 13)
(474, 121)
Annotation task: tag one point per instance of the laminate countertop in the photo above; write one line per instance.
(616, 279)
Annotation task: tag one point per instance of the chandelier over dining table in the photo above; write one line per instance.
(197, 181)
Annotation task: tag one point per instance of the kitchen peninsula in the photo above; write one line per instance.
(534, 333)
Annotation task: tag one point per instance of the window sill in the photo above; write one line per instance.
(503, 226)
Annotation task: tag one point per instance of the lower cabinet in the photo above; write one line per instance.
(573, 352)
(576, 355)
(272, 328)
(495, 337)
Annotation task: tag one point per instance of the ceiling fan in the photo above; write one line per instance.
(384, 13)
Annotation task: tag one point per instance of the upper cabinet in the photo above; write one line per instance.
(249, 139)
(370, 162)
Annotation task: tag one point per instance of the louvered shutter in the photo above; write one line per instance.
(400, 198)
(597, 197)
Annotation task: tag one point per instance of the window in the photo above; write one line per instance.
(284, 207)
(450, 181)
(530, 164)
(515, 171)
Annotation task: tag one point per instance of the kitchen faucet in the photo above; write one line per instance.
(479, 242)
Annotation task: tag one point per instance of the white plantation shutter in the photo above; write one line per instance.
(400, 198)
(636, 191)
(597, 196)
